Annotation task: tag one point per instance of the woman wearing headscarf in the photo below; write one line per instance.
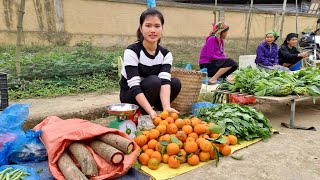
(267, 53)
(213, 57)
(288, 53)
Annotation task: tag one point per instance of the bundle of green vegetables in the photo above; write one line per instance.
(244, 122)
(275, 83)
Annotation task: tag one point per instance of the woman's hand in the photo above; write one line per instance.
(153, 114)
(171, 110)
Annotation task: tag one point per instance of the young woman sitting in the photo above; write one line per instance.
(146, 79)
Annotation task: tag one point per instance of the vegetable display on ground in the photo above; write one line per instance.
(242, 121)
(275, 83)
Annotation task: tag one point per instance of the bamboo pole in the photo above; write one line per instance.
(296, 16)
(19, 35)
(283, 17)
(249, 25)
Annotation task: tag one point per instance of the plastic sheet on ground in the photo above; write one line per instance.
(165, 172)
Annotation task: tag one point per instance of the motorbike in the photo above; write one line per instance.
(310, 43)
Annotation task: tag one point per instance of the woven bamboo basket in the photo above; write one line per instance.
(191, 82)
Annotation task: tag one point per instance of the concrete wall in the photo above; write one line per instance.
(108, 23)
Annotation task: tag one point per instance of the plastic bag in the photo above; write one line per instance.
(11, 133)
(145, 123)
(198, 105)
(33, 174)
(33, 149)
(151, 3)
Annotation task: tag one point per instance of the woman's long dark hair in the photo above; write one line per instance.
(144, 15)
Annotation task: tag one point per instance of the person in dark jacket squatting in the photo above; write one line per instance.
(146, 80)
(288, 53)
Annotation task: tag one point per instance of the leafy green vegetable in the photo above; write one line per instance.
(275, 83)
(242, 121)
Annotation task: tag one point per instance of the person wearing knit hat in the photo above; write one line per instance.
(267, 53)
(288, 53)
(213, 57)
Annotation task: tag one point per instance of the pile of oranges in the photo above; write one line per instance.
(175, 141)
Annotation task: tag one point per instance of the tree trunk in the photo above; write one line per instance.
(19, 35)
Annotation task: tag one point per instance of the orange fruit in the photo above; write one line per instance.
(158, 147)
(218, 146)
(212, 135)
(211, 124)
(233, 139)
(194, 135)
(187, 129)
(144, 158)
(154, 134)
(225, 150)
(190, 139)
(149, 152)
(195, 121)
(207, 129)
(199, 140)
(152, 144)
(181, 144)
(161, 128)
(228, 141)
(212, 154)
(199, 129)
(204, 136)
(191, 147)
(153, 164)
(193, 160)
(187, 121)
(146, 133)
(174, 116)
(182, 136)
(173, 149)
(179, 123)
(164, 122)
(204, 156)
(156, 155)
(157, 120)
(182, 156)
(205, 145)
(170, 120)
(166, 137)
(172, 129)
(164, 115)
(145, 147)
(165, 158)
(173, 162)
(141, 140)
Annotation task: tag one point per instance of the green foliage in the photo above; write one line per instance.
(275, 83)
(73, 85)
(59, 70)
(242, 121)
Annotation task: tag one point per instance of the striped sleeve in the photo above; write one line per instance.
(131, 61)
(164, 74)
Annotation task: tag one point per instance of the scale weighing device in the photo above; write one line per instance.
(122, 111)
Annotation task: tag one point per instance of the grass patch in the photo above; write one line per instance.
(49, 71)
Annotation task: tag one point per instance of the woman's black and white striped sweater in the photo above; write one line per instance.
(139, 64)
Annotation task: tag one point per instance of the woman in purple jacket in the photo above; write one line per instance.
(213, 57)
(267, 53)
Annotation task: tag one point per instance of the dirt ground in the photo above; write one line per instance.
(292, 154)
